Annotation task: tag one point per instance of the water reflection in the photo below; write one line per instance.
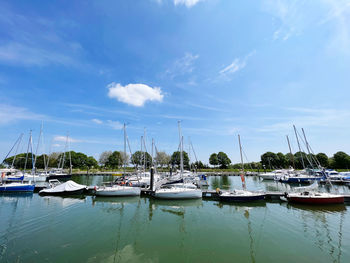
(316, 224)
(64, 201)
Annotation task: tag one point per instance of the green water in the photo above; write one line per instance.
(55, 229)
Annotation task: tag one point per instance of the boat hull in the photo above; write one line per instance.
(120, 191)
(64, 193)
(179, 194)
(239, 198)
(17, 188)
(316, 201)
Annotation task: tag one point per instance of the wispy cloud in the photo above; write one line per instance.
(115, 124)
(134, 94)
(310, 117)
(10, 114)
(182, 66)
(187, 3)
(236, 65)
(97, 121)
(61, 138)
(36, 41)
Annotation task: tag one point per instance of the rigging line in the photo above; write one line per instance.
(306, 145)
(248, 162)
(12, 147)
(13, 161)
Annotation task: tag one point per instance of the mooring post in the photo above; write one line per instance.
(152, 179)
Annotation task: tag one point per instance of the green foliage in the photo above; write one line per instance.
(341, 160)
(323, 159)
(175, 159)
(114, 160)
(223, 160)
(269, 160)
(199, 165)
(213, 159)
(138, 159)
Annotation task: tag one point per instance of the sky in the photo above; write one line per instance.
(222, 68)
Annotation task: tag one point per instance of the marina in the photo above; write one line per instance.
(86, 228)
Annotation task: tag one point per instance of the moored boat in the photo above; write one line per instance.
(67, 188)
(315, 198)
(17, 187)
(241, 196)
(117, 190)
(178, 192)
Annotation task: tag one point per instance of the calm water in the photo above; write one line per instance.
(54, 229)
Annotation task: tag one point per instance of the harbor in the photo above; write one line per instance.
(86, 228)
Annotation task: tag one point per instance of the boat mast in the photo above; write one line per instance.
(25, 163)
(296, 135)
(37, 146)
(310, 150)
(181, 149)
(144, 155)
(124, 159)
(70, 156)
(19, 142)
(240, 150)
(290, 151)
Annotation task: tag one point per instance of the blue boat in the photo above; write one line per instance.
(300, 179)
(16, 187)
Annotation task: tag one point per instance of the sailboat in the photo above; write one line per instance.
(181, 190)
(241, 195)
(118, 190)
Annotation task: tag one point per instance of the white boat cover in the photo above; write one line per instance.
(68, 186)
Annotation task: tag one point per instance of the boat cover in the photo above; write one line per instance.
(68, 186)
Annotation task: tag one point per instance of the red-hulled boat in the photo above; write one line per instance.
(315, 198)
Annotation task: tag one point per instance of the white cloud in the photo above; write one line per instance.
(97, 121)
(115, 124)
(182, 66)
(10, 114)
(20, 54)
(235, 66)
(187, 3)
(56, 145)
(134, 94)
(61, 138)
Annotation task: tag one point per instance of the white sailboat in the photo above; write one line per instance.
(118, 190)
(182, 190)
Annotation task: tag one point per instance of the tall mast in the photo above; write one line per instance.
(30, 137)
(240, 150)
(124, 159)
(70, 155)
(141, 161)
(296, 135)
(37, 146)
(181, 149)
(18, 143)
(290, 151)
(144, 143)
(310, 150)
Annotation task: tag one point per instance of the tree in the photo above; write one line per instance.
(198, 165)
(104, 157)
(213, 159)
(323, 159)
(281, 160)
(137, 158)
(223, 160)
(269, 160)
(298, 159)
(175, 159)
(125, 158)
(115, 160)
(341, 160)
(290, 159)
(162, 158)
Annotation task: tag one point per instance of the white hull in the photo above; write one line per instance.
(118, 191)
(35, 178)
(178, 193)
(267, 176)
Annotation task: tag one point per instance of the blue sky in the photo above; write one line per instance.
(221, 67)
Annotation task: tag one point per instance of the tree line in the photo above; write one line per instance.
(116, 159)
